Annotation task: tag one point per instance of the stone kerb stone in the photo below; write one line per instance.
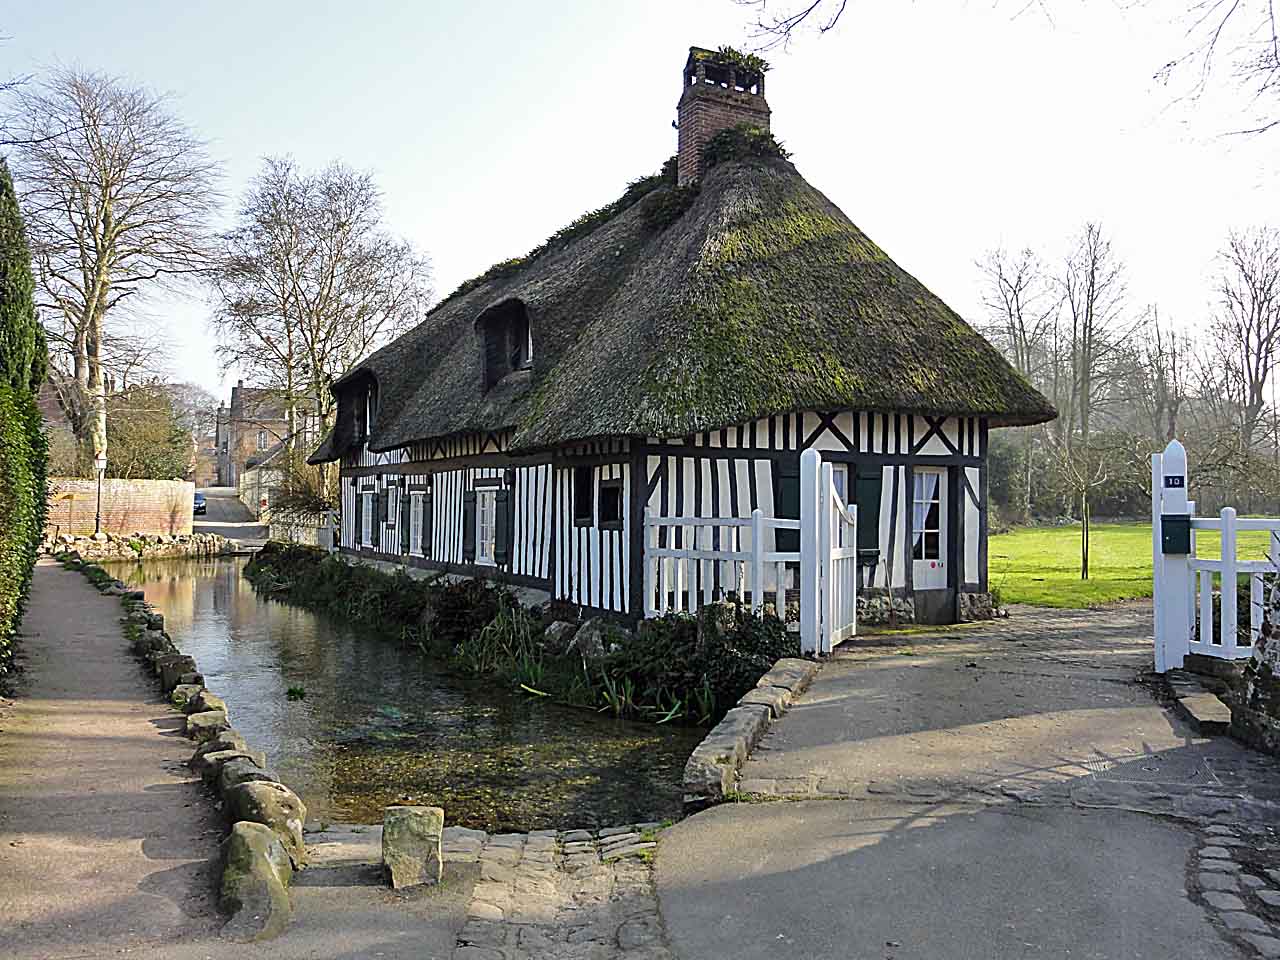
(170, 667)
(411, 845)
(256, 871)
(274, 805)
(711, 772)
(207, 725)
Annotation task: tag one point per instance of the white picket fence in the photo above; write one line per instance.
(693, 561)
(1185, 585)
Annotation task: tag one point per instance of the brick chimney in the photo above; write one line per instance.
(718, 94)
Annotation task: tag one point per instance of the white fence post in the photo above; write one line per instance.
(826, 568)
(1227, 584)
(757, 562)
(1171, 572)
(809, 519)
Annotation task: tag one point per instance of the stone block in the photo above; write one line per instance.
(273, 805)
(183, 694)
(237, 770)
(557, 637)
(192, 679)
(209, 765)
(229, 739)
(172, 666)
(777, 699)
(207, 700)
(411, 845)
(790, 673)
(254, 888)
(207, 725)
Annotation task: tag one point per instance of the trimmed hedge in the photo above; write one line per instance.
(24, 449)
(23, 505)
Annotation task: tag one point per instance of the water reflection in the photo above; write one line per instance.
(380, 723)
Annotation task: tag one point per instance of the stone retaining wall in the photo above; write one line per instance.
(128, 506)
(711, 773)
(265, 845)
(137, 546)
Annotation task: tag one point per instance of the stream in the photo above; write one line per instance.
(381, 723)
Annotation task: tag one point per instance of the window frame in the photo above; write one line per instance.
(486, 502)
(611, 484)
(921, 531)
(416, 517)
(583, 517)
(368, 505)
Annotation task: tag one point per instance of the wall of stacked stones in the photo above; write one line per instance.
(140, 546)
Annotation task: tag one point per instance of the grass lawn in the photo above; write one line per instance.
(1041, 565)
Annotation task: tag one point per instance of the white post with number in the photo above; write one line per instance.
(1171, 571)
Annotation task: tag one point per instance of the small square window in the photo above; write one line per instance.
(583, 515)
(611, 504)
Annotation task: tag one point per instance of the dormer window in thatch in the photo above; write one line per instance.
(364, 408)
(507, 340)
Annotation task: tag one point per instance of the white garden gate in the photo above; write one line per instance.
(1185, 586)
(693, 561)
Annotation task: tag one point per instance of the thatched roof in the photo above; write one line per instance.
(760, 298)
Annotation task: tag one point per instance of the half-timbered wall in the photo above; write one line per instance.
(593, 562)
(728, 473)
(717, 474)
(530, 491)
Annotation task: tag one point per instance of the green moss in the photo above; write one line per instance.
(743, 142)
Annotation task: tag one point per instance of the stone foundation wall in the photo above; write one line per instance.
(110, 546)
(1255, 702)
(128, 506)
(975, 606)
(874, 609)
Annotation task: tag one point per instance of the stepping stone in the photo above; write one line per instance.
(1270, 897)
(1223, 901)
(1265, 945)
(1215, 853)
(615, 831)
(1246, 922)
(1217, 881)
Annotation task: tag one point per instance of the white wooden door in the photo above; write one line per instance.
(929, 529)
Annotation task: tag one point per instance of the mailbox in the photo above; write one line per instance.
(1175, 533)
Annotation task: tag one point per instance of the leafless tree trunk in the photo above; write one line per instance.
(1023, 310)
(117, 194)
(1093, 292)
(309, 282)
(1247, 330)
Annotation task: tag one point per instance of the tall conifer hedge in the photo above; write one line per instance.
(23, 446)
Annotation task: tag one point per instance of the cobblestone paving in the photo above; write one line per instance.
(568, 895)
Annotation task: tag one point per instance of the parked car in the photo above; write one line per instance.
(199, 506)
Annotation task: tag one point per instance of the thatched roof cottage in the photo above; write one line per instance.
(671, 356)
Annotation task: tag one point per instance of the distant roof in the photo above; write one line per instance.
(761, 298)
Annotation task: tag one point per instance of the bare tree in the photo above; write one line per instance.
(309, 281)
(1162, 381)
(1022, 309)
(117, 193)
(1093, 335)
(1246, 331)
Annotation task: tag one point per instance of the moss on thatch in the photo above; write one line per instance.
(758, 297)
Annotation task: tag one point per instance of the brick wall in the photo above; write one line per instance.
(706, 110)
(128, 506)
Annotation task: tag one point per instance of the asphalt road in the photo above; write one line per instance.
(228, 517)
(1007, 792)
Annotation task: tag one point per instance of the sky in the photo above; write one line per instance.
(943, 129)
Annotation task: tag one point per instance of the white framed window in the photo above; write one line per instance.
(368, 504)
(486, 525)
(840, 480)
(415, 524)
(926, 515)
(262, 439)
